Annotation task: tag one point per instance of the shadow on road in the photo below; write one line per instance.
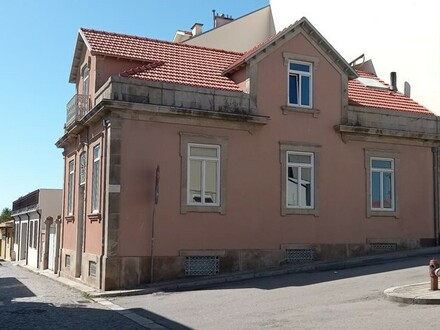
(331, 273)
(17, 314)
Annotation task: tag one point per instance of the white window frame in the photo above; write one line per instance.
(305, 148)
(86, 78)
(388, 155)
(300, 166)
(300, 73)
(96, 172)
(70, 186)
(201, 139)
(381, 172)
(203, 159)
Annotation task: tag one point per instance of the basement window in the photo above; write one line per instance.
(201, 265)
(299, 255)
(67, 261)
(92, 269)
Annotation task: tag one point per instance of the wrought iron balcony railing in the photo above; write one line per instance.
(77, 107)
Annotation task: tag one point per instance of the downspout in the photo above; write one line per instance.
(436, 191)
(106, 124)
(86, 147)
(39, 238)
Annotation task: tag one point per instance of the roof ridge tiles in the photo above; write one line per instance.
(160, 41)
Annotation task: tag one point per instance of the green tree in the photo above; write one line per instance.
(6, 215)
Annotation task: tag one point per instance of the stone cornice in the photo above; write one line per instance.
(373, 134)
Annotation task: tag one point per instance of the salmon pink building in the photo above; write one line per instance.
(284, 153)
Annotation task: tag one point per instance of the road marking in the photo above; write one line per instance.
(142, 321)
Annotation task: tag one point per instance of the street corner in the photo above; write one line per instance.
(419, 293)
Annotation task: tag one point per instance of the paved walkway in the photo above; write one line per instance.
(419, 293)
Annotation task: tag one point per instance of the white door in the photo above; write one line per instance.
(51, 257)
(23, 238)
(16, 239)
(33, 243)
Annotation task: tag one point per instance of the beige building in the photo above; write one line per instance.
(6, 239)
(37, 228)
(283, 154)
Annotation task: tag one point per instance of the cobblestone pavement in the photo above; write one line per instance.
(32, 301)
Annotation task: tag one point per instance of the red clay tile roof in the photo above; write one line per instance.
(371, 97)
(203, 67)
(180, 63)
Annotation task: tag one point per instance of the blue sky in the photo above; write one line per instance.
(38, 40)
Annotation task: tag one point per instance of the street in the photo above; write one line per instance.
(343, 299)
(337, 299)
(32, 301)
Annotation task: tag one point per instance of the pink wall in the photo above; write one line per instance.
(253, 213)
(253, 219)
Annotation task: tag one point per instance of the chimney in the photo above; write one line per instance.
(407, 89)
(393, 81)
(196, 29)
(220, 20)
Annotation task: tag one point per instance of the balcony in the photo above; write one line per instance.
(77, 107)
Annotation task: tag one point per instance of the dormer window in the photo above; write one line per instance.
(85, 77)
(300, 84)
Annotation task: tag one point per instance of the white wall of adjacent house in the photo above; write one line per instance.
(239, 35)
(398, 35)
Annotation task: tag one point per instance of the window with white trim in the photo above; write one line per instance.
(70, 183)
(382, 180)
(382, 184)
(85, 76)
(82, 168)
(300, 84)
(300, 180)
(95, 178)
(203, 174)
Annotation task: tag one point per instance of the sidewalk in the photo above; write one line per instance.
(419, 293)
(415, 294)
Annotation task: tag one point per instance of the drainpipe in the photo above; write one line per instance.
(86, 150)
(106, 124)
(436, 191)
(38, 238)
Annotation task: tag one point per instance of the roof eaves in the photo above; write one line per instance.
(312, 32)
(327, 47)
(81, 41)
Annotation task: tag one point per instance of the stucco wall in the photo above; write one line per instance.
(253, 219)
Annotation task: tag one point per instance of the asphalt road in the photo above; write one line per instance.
(344, 299)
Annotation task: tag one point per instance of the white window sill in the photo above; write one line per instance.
(382, 213)
(202, 209)
(291, 109)
(300, 211)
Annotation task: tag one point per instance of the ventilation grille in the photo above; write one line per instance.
(92, 269)
(299, 255)
(67, 261)
(200, 266)
(383, 247)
